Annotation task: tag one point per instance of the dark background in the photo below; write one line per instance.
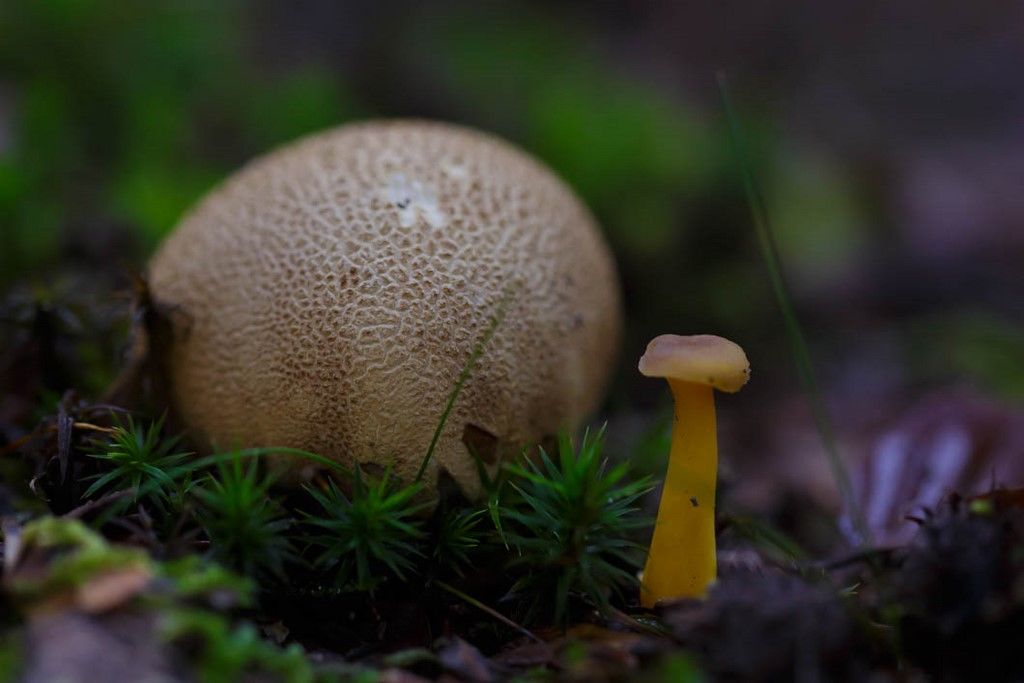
(888, 139)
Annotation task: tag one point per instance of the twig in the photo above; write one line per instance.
(100, 502)
(18, 443)
(21, 441)
(492, 612)
(94, 428)
(635, 623)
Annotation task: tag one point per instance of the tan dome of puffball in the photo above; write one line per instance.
(327, 296)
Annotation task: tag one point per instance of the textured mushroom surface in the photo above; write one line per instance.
(327, 296)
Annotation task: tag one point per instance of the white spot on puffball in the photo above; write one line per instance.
(414, 201)
(453, 169)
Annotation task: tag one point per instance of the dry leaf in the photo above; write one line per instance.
(112, 589)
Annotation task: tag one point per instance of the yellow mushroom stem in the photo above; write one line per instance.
(681, 561)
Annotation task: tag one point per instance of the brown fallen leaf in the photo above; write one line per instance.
(464, 660)
(959, 584)
(606, 647)
(525, 655)
(112, 589)
(770, 627)
(399, 676)
(61, 565)
(80, 648)
(952, 442)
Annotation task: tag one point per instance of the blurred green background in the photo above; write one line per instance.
(891, 168)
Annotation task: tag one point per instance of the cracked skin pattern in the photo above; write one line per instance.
(327, 296)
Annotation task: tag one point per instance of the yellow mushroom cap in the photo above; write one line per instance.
(698, 359)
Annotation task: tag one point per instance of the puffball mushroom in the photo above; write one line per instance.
(681, 561)
(327, 296)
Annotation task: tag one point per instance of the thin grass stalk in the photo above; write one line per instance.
(794, 332)
(467, 369)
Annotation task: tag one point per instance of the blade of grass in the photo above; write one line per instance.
(217, 458)
(797, 342)
(484, 608)
(766, 537)
(478, 350)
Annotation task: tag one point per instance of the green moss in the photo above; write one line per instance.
(11, 658)
(569, 518)
(193, 578)
(227, 653)
(78, 555)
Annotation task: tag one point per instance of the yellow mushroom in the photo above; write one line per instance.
(681, 561)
